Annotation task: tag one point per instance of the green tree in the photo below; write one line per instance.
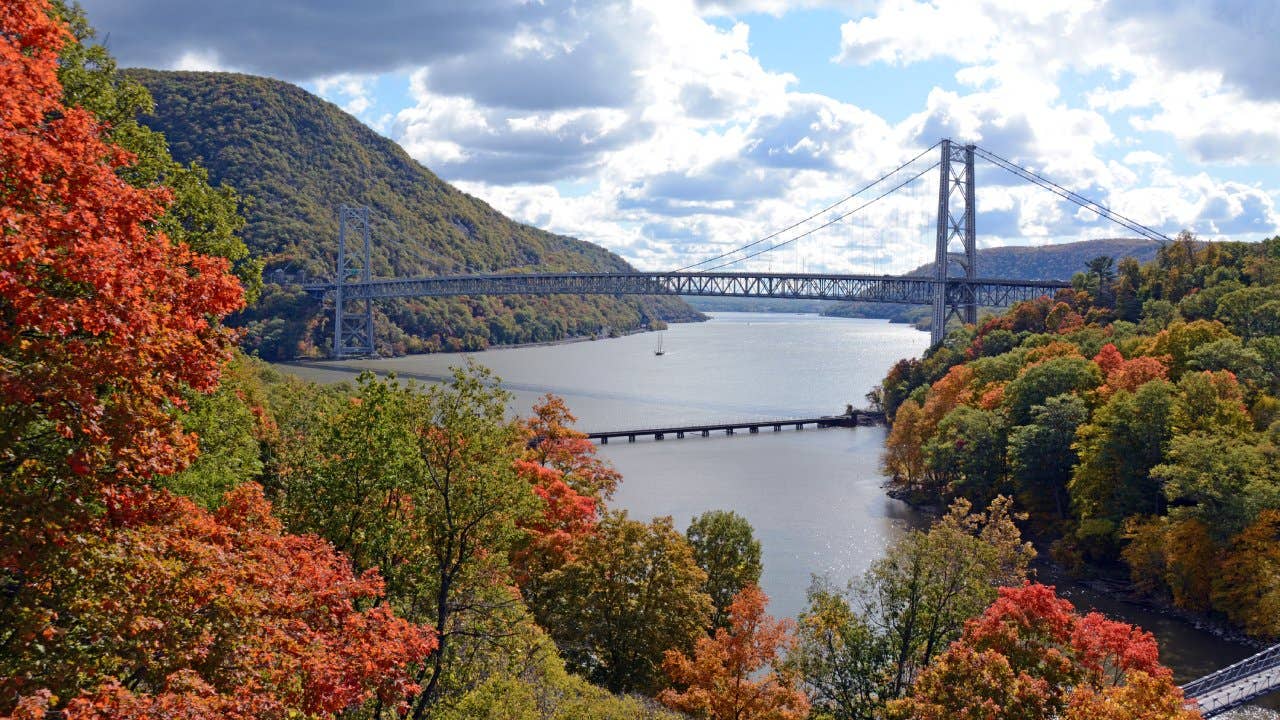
(231, 425)
(839, 656)
(920, 595)
(1222, 480)
(724, 546)
(632, 592)
(1125, 439)
(420, 482)
(1250, 312)
(1231, 355)
(1041, 455)
(967, 451)
(1052, 377)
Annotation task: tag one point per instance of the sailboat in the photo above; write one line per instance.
(658, 350)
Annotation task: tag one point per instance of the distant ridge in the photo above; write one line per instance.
(1054, 262)
(1041, 262)
(298, 157)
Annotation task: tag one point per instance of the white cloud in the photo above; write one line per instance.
(353, 93)
(651, 126)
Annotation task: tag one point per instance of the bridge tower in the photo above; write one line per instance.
(352, 319)
(956, 214)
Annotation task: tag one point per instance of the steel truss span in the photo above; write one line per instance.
(851, 288)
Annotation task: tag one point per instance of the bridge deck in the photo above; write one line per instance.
(728, 428)
(1237, 684)
(909, 289)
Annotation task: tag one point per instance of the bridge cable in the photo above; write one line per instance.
(1084, 202)
(827, 209)
(827, 224)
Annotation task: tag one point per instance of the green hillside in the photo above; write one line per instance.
(297, 158)
(1042, 262)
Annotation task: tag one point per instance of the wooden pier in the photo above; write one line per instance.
(750, 426)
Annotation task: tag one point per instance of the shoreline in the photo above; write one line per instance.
(1105, 582)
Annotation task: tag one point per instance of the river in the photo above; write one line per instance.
(815, 497)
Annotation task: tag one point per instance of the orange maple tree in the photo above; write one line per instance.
(725, 678)
(168, 610)
(1031, 656)
(104, 322)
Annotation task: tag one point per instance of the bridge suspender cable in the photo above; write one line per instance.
(827, 224)
(827, 209)
(1078, 199)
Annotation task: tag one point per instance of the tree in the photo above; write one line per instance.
(1249, 312)
(725, 548)
(1211, 403)
(560, 465)
(167, 609)
(904, 448)
(1042, 381)
(967, 452)
(1247, 587)
(234, 428)
(839, 657)
(1041, 455)
(105, 322)
(1029, 655)
(919, 596)
(1220, 480)
(421, 483)
(631, 592)
(1125, 439)
(726, 678)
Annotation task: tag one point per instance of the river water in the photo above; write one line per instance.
(815, 497)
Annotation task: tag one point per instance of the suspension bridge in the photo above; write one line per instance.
(955, 288)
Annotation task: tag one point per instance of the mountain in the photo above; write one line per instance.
(295, 158)
(1041, 262)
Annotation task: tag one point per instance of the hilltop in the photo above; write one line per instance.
(297, 157)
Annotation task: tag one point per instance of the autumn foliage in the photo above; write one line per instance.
(1030, 655)
(560, 465)
(731, 676)
(168, 610)
(103, 322)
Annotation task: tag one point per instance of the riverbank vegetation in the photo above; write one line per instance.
(1135, 417)
(187, 533)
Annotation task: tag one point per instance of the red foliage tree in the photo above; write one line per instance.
(1129, 375)
(1030, 655)
(103, 322)
(561, 465)
(172, 611)
(724, 679)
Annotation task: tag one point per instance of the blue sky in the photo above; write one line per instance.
(671, 130)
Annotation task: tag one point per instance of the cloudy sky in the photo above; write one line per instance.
(673, 130)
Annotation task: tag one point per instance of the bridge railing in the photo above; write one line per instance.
(1268, 659)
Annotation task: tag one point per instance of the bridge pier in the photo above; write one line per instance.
(659, 436)
(706, 433)
(755, 429)
(604, 441)
(680, 435)
(631, 438)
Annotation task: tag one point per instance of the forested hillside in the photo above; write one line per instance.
(1136, 416)
(295, 158)
(1042, 262)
